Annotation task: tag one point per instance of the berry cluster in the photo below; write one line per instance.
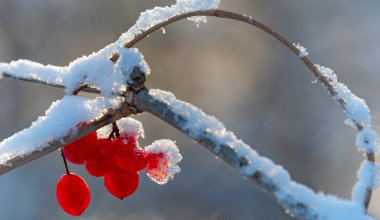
(118, 159)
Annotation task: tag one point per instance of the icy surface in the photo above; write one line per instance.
(60, 119)
(169, 163)
(200, 126)
(303, 50)
(125, 125)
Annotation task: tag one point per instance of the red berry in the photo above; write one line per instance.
(73, 194)
(121, 183)
(128, 156)
(154, 160)
(102, 163)
(80, 150)
(157, 167)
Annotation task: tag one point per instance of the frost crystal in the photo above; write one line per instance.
(303, 50)
(328, 73)
(167, 164)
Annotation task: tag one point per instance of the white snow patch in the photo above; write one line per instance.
(127, 125)
(303, 51)
(368, 178)
(157, 15)
(367, 140)
(172, 157)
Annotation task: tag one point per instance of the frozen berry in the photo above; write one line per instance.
(102, 163)
(80, 150)
(73, 194)
(128, 156)
(121, 183)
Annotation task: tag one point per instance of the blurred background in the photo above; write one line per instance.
(259, 89)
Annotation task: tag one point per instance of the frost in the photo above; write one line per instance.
(328, 73)
(168, 164)
(125, 125)
(303, 51)
(56, 124)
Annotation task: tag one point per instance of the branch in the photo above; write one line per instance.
(297, 199)
(340, 93)
(110, 117)
(329, 84)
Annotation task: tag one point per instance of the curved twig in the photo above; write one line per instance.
(250, 20)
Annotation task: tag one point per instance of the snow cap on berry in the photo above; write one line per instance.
(167, 164)
(128, 126)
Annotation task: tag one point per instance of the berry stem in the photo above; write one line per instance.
(65, 162)
(115, 129)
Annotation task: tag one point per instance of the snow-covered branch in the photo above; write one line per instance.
(49, 134)
(299, 200)
(111, 73)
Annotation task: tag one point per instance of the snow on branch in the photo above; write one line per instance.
(58, 128)
(95, 70)
(299, 200)
(110, 71)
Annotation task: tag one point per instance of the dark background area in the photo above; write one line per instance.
(258, 88)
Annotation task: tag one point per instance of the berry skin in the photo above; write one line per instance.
(121, 183)
(102, 163)
(73, 194)
(128, 156)
(157, 167)
(80, 150)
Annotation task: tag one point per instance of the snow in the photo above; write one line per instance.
(126, 125)
(169, 166)
(303, 51)
(158, 15)
(96, 70)
(368, 178)
(367, 140)
(99, 72)
(357, 111)
(199, 124)
(56, 124)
